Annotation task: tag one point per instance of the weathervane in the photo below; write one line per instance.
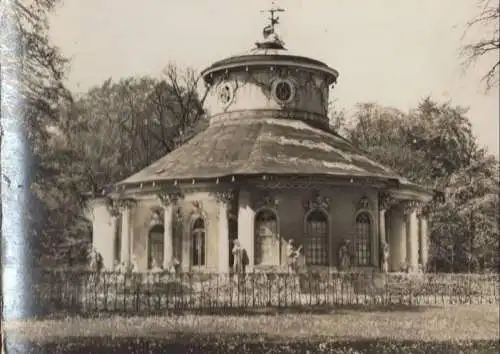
(269, 30)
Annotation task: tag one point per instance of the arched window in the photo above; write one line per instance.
(363, 239)
(155, 246)
(118, 239)
(198, 256)
(316, 240)
(267, 243)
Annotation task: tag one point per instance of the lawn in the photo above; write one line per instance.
(451, 329)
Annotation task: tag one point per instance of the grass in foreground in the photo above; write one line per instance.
(470, 329)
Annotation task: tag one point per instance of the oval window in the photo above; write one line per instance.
(225, 94)
(283, 91)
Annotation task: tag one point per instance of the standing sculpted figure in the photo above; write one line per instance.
(384, 256)
(345, 255)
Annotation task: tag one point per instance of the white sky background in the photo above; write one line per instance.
(392, 52)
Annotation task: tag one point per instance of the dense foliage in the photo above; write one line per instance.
(102, 137)
(434, 145)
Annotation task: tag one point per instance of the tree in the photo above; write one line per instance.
(433, 145)
(102, 137)
(488, 44)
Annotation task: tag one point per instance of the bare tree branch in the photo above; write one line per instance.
(488, 18)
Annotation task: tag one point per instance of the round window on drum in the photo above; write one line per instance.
(225, 94)
(283, 91)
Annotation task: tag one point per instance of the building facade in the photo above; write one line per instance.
(267, 169)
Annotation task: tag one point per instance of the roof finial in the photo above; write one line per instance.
(271, 38)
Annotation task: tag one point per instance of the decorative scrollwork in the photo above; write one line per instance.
(317, 202)
(267, 200)
(156, 216)
(198, 210)
(363, 203)
(386, 201)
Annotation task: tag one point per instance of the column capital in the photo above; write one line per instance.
(123, 204)
(410, 206)
(423, 211)
(113, 207)
(168, 197)
(386, 201)
(225, 197)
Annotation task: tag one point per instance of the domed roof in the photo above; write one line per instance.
(260, 142)
(267, 145)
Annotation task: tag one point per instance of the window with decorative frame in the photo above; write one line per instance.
(316, 238)
(267, 242)
(198, 243)
(363, 239)
(155, 246)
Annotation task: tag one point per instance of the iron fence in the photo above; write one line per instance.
(92, 292)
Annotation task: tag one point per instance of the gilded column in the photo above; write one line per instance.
(168, 243)
(114, 213)
(126, 251)
(385, 202)
(423, 238)
(168, 200)
(224, 200)
(397, 242)
(246, 224)
(411, 210)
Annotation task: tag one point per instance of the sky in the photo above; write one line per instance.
(392, 52)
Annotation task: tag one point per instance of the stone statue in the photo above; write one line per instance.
(95, 260)
(384, 256)
(240, 257)
(133, 265)
(155, 268)
(293, 256)
(345, 255)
